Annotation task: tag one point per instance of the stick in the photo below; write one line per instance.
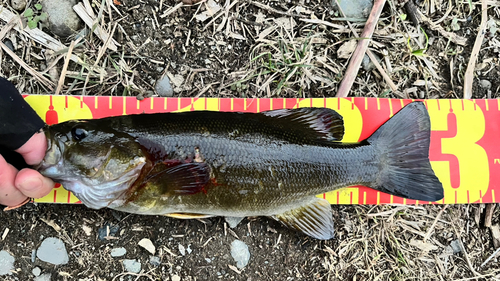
(469, 74)
(490, 257)
(65, 67)
(357, 57)
(99, 31)
(429, 232)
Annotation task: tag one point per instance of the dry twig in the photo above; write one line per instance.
(361, 49)
(469, 74)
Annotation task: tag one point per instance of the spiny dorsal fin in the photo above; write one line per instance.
(314, 219)
(318, 123)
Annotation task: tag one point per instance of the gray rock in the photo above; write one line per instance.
(455, 246)
(485, 84)
(132, 266)
(233, 221)
(43, 277)
(18, 5)
(240, 253)
(33, 256)
(367, 63)
(53, 251)
(6, 263)
(358, 9)
(155, 261)
(163, 87)
(36, 271)
(118, 252)
(176, 278)
(63, 21)
(9, 44)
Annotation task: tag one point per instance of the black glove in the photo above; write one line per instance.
(18, 122)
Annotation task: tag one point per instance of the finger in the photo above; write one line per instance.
(32, 184)
(34, 149)
(9, 195)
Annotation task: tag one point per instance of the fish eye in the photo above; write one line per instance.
(79, 133)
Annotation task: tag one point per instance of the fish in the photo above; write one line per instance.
(204, 163)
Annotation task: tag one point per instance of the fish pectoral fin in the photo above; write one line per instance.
(314, 219)
(187, 216)
(312, 123)
(180, 178)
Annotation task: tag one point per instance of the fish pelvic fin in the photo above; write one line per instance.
(313, 123)
(402, 146)
(314, 219)
(186, 216)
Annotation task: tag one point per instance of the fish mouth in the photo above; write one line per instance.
(53, 157)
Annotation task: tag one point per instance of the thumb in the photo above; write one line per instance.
(34, 149)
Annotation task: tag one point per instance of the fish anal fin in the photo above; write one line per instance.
(187, 216)
(315, 123)
(314, 219)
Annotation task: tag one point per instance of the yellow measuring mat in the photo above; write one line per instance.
(463, 151)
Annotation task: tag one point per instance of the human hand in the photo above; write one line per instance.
(17, 186)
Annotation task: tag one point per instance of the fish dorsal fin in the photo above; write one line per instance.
(179, 178)
(316, 123)
(187, 216)
(314, 219)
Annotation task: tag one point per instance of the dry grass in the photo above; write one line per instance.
(289, 49)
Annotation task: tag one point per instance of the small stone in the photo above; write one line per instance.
(233, 221)
(182, 250)
(358, 9)
(63, 21)
(208, 260)
(455, 246)
(240, 253)
(18, 5)
(36, 271)
(33, 256)
(52, 250)
(6, 263)
(485, 84)
(118, 252)
(176, 278)
(43, 277)
(163, 87)
(367, 63)
(189, 249)
(9, 44)
(155, 261)
(132, 266)
(148, 245)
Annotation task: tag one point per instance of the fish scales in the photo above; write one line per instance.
(199, 164)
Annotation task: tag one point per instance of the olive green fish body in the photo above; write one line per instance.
(238, 164)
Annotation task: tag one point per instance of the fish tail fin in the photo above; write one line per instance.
(402, 145)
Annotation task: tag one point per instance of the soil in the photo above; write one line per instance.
(230, 57)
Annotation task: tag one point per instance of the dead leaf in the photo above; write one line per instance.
(346, 49)
(426, 247)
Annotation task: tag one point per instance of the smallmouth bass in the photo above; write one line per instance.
(201, 163)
